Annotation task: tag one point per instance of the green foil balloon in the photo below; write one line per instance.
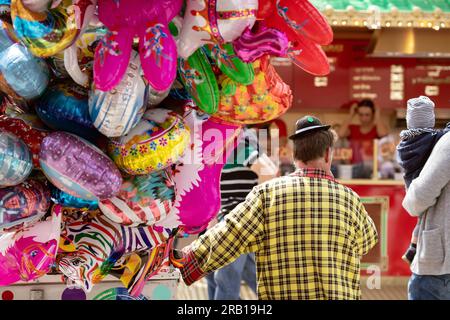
(229, 63)
(199, 80)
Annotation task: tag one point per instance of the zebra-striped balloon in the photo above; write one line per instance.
(98, 243)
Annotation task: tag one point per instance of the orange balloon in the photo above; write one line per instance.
(265, 99)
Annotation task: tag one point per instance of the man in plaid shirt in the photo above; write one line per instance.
(308, 231)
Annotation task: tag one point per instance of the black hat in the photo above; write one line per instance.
(307, 124)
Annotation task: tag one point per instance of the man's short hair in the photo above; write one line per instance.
(314, 145)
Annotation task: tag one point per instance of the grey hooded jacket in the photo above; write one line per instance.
(429, 196)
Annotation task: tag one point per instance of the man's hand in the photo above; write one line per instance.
(177, 258)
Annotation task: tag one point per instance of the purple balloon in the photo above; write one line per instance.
(79, 168)
(259, 41)
(73, 294)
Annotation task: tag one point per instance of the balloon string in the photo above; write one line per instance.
(223, 149)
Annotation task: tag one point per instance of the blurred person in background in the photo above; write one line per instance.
(245, 168)
(361, 137)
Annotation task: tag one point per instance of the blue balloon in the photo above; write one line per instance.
(67, 200)
(114, 113)
(64, 107)
(26, 74)
(15, 160)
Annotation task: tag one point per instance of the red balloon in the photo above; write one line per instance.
(265, 9)
(25, 130)
(308, 55)
(305, 27)
(299, 16)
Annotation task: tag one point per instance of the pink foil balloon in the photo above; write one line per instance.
(148, 20)
(197, 179)
(29, 254)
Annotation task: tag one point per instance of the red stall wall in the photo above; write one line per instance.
(390, 82)
(399, 225)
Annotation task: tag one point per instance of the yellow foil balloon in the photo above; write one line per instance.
(156, 142)
(46, 33)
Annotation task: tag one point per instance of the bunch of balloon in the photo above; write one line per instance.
(117, 116)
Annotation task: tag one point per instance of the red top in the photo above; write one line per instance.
(362, 143)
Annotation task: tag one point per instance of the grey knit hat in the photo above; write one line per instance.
(420, 113)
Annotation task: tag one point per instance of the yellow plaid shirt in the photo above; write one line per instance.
(308, 233)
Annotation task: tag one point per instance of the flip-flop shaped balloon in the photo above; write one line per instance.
(299, 16)
(111, 58)
(29, 254)
(199, 81)
(308, 55)
(47, 33)
(214, 21)
(149, 21)
(230, 64)
(306, 29)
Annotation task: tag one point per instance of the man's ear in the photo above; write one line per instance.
(328, 155)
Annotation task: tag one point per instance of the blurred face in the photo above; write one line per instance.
(365, 115)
